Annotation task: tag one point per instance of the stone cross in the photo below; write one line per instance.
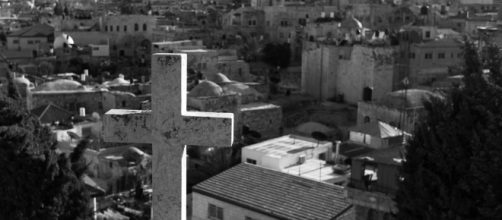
(169, 127)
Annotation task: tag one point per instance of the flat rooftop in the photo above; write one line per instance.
(288, 144)
(316, 170)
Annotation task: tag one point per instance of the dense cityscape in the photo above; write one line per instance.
(250, 109)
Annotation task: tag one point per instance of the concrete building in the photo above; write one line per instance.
(432, 60)
(245, 20)
(373, 184)
(295, 155)
(348, 73)
(259, 193)
(37, 38)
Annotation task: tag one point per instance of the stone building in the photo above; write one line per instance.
(72, 96)
(348, 73)
(400, 109)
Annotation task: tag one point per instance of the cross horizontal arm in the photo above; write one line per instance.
(127, 126)
(207, 129)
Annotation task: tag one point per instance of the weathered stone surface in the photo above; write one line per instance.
(172, 127)
(130, 126)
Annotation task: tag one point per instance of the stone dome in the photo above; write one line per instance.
(62, 39)
(60, 85)
(240, 88)
(206, 88)
(351, 23)
(119, 81)
(23, 81)
(414, 98)
(218, 78)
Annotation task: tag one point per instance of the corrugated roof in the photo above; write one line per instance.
(276, 194)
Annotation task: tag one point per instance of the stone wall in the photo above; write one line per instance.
(330, 71)
(263, 118)
(391, 116)
(99, 101)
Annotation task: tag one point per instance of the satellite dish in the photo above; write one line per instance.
(319, 136)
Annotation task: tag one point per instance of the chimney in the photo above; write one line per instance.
(337, 151)
(83, 77)
(81, 111)
(86, 72)
(323, 14)
(332, 14)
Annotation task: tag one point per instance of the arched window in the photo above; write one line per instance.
(366, 119)
(144, 27)
(111, 28)
(136, 27)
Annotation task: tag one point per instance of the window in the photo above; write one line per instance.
(428, 34)
(30, 42)
(125, 28)
(250, 218)
(251, 161)
(441, 56)
(106, 28)
(367, 119)
(214, 212)
(322, 156)
(144, 27)
(111, 28)
(118, 28)
(15, 41)
(412, 55)
(428, 56)
(136, 27)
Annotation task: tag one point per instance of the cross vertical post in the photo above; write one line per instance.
(169, 127)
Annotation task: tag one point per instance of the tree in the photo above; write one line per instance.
(37, 182)
(453, 162)
(45, 68)
(277, 54)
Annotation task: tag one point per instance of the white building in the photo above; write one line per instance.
(282, 152)
(295, 155)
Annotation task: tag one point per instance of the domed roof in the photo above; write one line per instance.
(351, 23)
(119, 81)
(206, 88)
(218, 78)
(414, 98)
(62, 39)
(60, 85)
(240, 88)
